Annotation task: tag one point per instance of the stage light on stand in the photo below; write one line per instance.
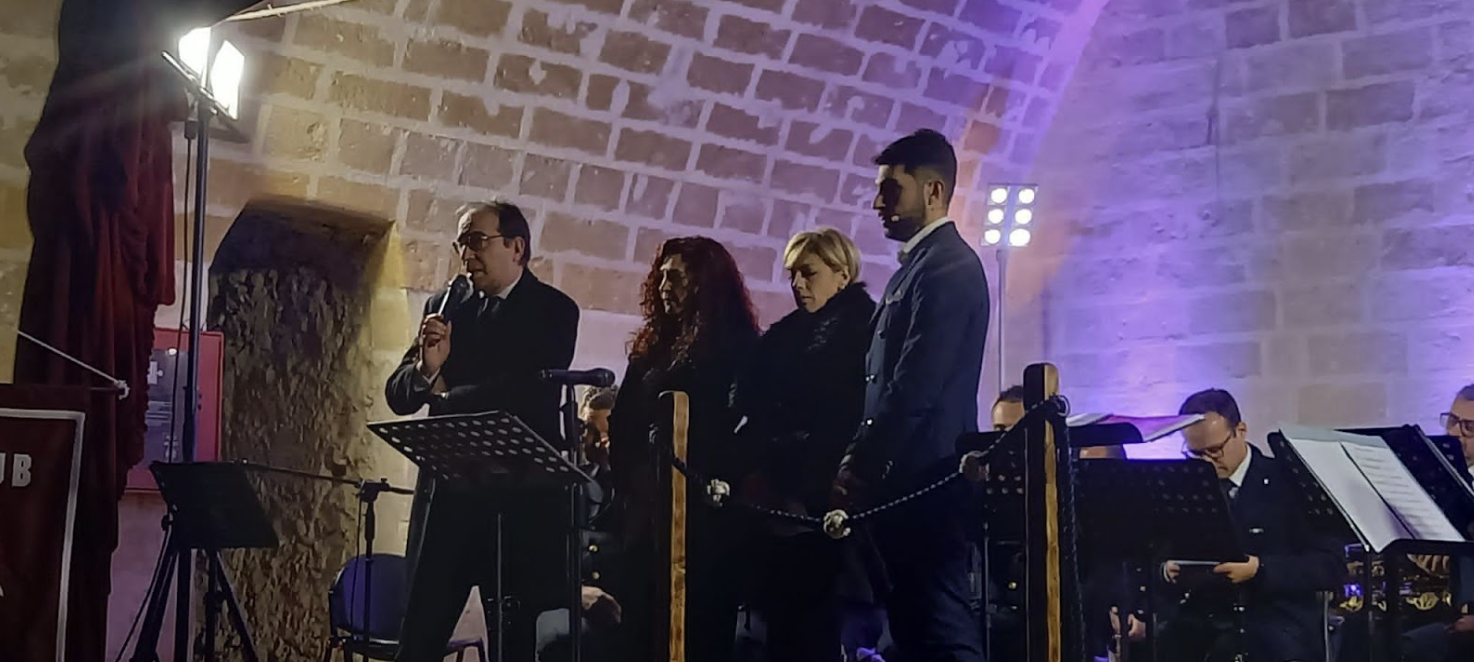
(211, 70)
(194, 51)
(216, 66)
(225, 78)
(1010, 215)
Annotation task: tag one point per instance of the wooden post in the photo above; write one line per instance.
(680, 424)
(1043, 598)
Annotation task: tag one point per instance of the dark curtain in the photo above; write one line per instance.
(100, 203)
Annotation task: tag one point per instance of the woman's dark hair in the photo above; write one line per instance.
(716, 303)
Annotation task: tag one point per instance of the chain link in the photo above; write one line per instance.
(818, 522)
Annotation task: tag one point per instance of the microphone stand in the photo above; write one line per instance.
(577, 523)
(368, 494)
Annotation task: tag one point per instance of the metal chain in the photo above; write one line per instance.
(896, 502)
(685, 469)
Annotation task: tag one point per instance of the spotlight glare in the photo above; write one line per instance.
(1019, 237)
(194, 50)
(1023, 216)
(999, 195)
(225, 78)
(995, 216)
(1026, 196)
(992, 236)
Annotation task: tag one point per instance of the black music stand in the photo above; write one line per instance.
(1002, 507)
(491, 449)
(211, 507)
(1430, 467)
(1151, 511)
(1437, 463)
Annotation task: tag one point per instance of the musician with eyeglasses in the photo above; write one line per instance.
(482, 348)
(1276, 585)
(1452, 641)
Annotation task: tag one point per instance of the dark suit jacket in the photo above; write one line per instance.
(493, 366)
(1283, 614)
(923, 364)
(494, 362)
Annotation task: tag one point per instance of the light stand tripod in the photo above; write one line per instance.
(207, 110)
(212, 507)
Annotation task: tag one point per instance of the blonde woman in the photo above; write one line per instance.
(802, 395)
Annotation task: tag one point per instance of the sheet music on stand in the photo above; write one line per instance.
(1148, 428)
(1381, 500)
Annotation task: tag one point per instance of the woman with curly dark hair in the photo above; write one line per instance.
(699, 326)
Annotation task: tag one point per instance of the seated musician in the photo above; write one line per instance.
(601, 610)
(1005, 558)
(1287, 563)
(1447, 642)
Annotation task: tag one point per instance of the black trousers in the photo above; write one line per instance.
(714, 577)
(798, 598)
(453, 546)
(925, 550)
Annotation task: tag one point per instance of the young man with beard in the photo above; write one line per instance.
(921, 384)
(483, 354)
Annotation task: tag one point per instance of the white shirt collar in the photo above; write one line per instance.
(1237, 478)
(508, 289)
(915, 239)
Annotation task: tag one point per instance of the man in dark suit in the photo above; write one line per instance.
(484, 353)
(1287, 565)
(922, 372)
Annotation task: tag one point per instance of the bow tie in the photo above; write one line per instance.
(903, 257)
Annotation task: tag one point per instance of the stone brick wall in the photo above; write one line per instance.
(27, 59)
(619, 123)
(1273, 197)
(615, 123)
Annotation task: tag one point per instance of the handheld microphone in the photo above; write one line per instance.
(459, 289)
(600, 377)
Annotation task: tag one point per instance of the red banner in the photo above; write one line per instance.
(40, 473)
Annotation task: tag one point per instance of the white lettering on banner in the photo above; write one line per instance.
(20, 470)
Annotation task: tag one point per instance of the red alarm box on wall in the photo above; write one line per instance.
(168, 374)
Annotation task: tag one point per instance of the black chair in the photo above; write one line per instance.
(346, 613)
